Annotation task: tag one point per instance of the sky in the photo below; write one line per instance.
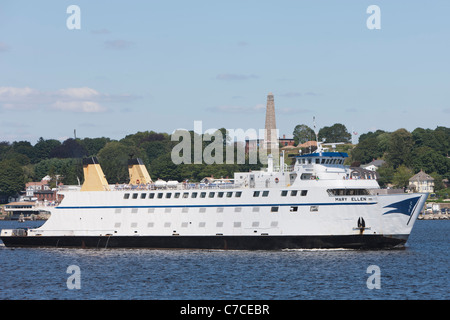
(162, 65)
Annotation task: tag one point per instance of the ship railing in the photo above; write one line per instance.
(156, 186)
(68, 188)
(178, 186)
(45, 204)
(287, 168)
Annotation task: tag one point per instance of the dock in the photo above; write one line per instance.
(433, 216)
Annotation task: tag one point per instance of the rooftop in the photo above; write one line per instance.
(421, 176)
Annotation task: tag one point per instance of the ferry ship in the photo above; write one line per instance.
(316, 203)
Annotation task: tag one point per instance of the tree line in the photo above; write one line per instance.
(405, 153)
(21, 162)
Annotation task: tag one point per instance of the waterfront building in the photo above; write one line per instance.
(374, 165)
(421, 182)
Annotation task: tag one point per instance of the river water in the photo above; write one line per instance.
(420, 271)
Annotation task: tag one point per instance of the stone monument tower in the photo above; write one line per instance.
(270, 133)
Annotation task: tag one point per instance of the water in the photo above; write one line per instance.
(418, 272)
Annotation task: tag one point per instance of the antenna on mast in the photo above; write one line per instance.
(315, 132)
(315, 129)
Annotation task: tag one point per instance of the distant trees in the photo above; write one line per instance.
(43, 148)
(401, 176)
(70, 148)
(400, 147)
(113, 158)
(336, 133)
(406, 153)
(68, 171)
(367, 150)
(302, 133)
(93, 145)
(11, 177)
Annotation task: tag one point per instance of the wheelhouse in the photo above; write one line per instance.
(323, 158)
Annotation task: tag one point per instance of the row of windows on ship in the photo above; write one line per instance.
(217, 209)
(238, 194)
(212, 194)
(320, 161)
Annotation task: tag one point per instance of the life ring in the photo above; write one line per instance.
(277, 180)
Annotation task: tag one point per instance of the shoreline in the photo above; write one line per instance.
(433, 216)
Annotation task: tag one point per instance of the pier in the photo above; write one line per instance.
(434, 216)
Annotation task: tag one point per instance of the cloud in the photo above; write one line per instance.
(19, 98)
(3, 47)
(83, 99)
(118, 44)
(78, 106)
(232, 76)
(79, 93)
(14, 93)
(446, 110)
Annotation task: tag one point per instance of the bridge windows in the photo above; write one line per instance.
(347, 192)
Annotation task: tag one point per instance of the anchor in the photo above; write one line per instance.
(361, 225)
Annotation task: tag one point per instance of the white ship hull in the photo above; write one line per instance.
(106, 219)
(316, 205)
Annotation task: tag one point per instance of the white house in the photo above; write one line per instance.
(374, 165)
(421, 182)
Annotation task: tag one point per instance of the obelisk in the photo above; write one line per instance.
(270, 133)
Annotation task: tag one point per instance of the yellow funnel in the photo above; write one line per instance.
(138, 172)
(94, 179)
